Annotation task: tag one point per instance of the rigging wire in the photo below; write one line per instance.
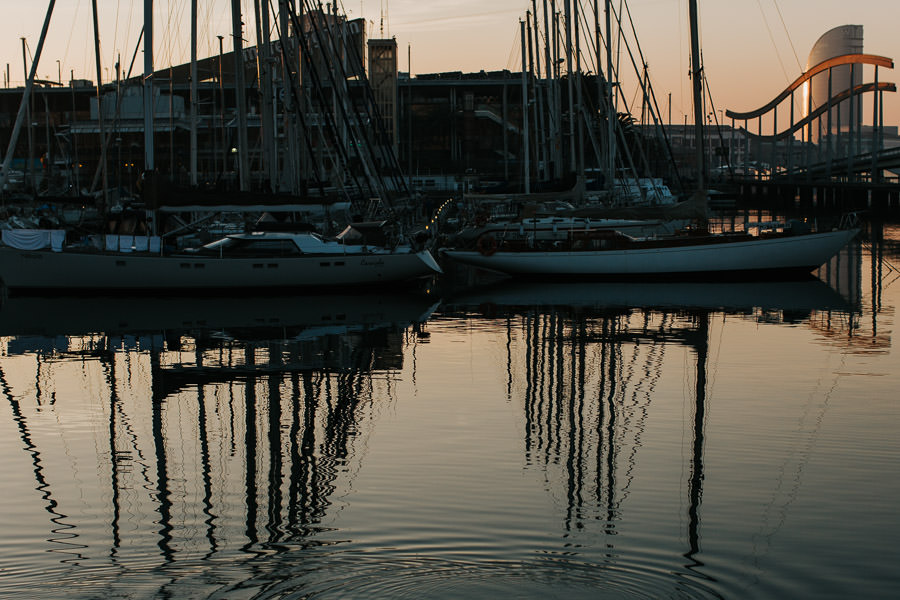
(515, 51)
(788, 34)
(72, 29)
(787, 78)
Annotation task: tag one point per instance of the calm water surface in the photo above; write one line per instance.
(514, 441)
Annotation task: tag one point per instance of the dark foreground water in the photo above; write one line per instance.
(548, 441)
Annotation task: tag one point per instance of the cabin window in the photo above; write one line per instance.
(282, 247)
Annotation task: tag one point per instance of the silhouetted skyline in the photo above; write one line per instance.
(751, 50)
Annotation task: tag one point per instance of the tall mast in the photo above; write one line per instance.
(264, 73)
(697, 80)
(549, 140)
(100, 105)
(29, 165)
(526, 168)
(240, 91)
(579, 100)
(610, 106)
(17, 128)
(291, 167)
(539, 96)
(269, 95)
(557, 97)
(149, 101)
(194, 98)
(567, 6)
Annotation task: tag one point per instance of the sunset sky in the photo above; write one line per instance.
(752, 48)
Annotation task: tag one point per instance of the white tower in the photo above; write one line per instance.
(846, 39)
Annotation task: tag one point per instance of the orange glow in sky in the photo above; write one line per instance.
(751, 50)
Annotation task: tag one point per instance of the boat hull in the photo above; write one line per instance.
(69, 270)
(786, 256)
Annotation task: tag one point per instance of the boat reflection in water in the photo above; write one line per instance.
(227, 448)
(227, 423)
(587, 361)
(258, 315)
(801, 296)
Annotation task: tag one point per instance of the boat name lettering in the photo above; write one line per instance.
(369, 262)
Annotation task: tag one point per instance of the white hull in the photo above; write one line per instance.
(800, 253)
(109, 271)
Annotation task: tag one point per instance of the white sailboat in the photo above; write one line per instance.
(614, 255)
(246, 261)
(695, 254)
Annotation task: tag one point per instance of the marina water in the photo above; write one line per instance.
(509, 441)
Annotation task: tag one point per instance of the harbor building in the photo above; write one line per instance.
(347, 123)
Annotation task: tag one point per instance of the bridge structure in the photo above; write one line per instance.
(804, 149)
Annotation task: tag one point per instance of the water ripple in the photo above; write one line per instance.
(360, 575)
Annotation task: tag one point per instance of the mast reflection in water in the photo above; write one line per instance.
(639, 440)
(225, 432)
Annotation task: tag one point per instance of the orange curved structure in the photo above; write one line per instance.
(834, 101)
(846, 59)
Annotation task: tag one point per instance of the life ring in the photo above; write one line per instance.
(487, 245)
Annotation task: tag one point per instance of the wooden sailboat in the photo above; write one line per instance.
(615, 255)
(602, 253)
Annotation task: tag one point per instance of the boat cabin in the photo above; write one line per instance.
(268, 244)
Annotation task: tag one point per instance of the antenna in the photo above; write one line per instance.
(385, 16)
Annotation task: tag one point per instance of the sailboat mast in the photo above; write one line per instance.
(526, 172)
(194, 99)
(149, 103)
(17, 128)
(240, 91)
(610, 104)
(579, 100)
(697, 80)
(266, 109)
(567, 14)
(100, 105)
